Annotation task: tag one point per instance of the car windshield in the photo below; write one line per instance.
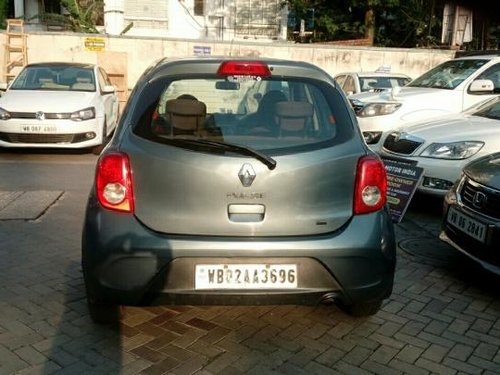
(55, 77)
(490, 110)
(449, 74)
(377, 83)
(256, 113)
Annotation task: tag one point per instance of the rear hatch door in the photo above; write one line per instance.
(180, 191)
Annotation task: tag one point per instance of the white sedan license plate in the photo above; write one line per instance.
(39, 129)
(466, 224)
(246, 276)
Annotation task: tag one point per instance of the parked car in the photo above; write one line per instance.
(58, 105)
(378, 81)
(197, 200)
(471, 220)
(449, 88)
(442, 147)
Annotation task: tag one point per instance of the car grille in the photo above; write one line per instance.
(32, 115)
(400, 146)
(491, 198)
(42, 138)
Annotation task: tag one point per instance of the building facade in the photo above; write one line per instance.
(221, 20)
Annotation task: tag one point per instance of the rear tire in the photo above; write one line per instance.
(361, 309)
(101, 312)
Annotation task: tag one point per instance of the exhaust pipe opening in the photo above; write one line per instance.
(329, 298)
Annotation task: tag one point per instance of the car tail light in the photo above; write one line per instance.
(370, 191)
(244, 68)
(114, 182)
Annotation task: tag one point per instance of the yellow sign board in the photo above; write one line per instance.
(95, 44)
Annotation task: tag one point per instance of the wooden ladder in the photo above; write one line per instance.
(15, 54)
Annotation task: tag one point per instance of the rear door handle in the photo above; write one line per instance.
(246, 213)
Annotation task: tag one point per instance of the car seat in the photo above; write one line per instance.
(83, 81)
(294, 118)
(45, 78)
(185, 116)
(262, 121)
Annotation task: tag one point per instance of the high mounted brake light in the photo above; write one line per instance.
(244, 68)
(114, 182)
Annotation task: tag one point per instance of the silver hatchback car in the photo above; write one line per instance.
(237, 181)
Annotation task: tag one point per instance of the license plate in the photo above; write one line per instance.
(39, 129)
(246, 276)
(466, 224)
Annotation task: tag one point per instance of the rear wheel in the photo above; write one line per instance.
(101, 312)
(363, 308)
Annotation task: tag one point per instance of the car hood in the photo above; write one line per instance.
(485, 170)
(456, 128)
(46, 101)
(400, 94)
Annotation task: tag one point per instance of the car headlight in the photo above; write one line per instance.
(378, 109)
(454, 150)
(4, 115)
(83, 114)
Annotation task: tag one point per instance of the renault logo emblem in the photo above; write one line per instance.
(40, 115)
(479, 199)
(246, 175)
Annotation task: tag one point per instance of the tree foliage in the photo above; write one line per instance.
(397, 23)
(3, 13)
(80, 15)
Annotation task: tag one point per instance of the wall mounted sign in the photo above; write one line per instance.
(95, 44)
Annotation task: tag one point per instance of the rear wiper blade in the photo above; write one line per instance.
(243, 150)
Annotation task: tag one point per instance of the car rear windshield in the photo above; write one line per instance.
(55, 77)
(260, 113)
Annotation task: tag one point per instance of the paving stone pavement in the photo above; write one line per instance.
(443, 317)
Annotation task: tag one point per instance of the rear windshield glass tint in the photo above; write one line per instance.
(259, 113)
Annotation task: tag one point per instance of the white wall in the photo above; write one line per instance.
(177, 19)
(182, 23)
(141, 52)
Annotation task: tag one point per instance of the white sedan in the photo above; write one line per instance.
(442, 147)
(356, 82)
(58, 105)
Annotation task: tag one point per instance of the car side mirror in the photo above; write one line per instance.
(349, 93)
(482, 86)
(108, 89)
(3, 86)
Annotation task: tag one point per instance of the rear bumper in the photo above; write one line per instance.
(124, 261)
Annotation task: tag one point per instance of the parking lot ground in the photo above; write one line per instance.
(442, 318)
